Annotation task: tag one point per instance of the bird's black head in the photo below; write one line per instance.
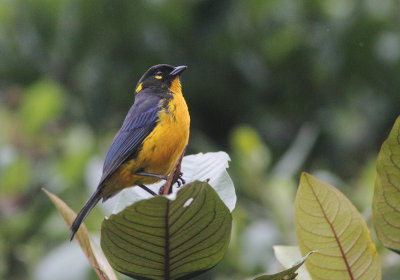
(160, 77)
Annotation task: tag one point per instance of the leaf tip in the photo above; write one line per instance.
(45, 191)
(305, 175)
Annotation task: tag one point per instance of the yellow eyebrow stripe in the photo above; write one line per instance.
(158, 77)
(139, 87)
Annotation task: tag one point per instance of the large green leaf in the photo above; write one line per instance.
(326, 221)
(159, 238)
(94, 255)
(386, 202)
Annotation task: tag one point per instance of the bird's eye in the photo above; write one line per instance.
(158, 75)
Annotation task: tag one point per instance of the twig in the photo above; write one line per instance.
(173, 176)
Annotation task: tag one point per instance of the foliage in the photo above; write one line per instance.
(327, 221)
(287, 256)
(283, 86)
(288, 274)
(386, 203)
(188, 232)
(160, 238)
(95, 257)
(173, 237)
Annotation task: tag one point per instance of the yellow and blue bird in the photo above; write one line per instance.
(152, 137)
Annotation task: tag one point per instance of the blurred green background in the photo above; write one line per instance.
(283, 86)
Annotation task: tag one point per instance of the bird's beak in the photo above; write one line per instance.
(177, 70)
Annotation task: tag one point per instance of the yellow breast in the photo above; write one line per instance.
(166, 142)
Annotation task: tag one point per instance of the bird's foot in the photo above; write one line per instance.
(180, 180)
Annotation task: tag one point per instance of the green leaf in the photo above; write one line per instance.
(326, 221)
(287, 255)
(94, 255)
(288, 274)
(77, 147)
(386, 202)
(200, 167)
(251, 160)
(43, 102)
(16, 177)
(161, 238)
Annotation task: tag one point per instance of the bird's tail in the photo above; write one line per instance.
(92, 201)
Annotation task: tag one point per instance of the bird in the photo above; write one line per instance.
(153, 136)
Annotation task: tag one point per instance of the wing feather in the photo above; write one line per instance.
(138, 124)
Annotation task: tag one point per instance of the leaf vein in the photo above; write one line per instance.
(133, 245)
(333, 230)
(130, 253)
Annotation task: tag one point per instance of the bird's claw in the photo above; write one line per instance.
(180, 180)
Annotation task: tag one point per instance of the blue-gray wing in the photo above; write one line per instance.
(138, 124)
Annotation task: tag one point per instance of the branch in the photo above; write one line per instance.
(173, 176)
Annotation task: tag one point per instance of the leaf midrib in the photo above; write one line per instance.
(166, 263)
(333, 230)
